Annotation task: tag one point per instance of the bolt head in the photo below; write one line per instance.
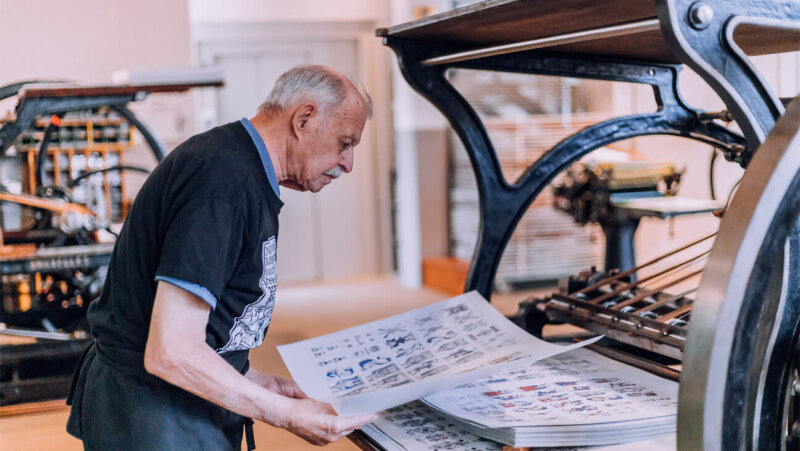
(700, 15)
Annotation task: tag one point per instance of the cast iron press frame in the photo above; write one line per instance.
(749, 411)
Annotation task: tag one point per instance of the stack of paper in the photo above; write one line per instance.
(578, 398)
(402, 358)
(414, 426)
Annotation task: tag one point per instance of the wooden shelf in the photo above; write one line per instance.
(498, 22)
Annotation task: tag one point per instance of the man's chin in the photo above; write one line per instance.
(294, 186)
(315, 188)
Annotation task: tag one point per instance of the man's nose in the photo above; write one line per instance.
(346, 161)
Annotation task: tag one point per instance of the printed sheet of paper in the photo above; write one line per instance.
(396, 360)
(580, 387)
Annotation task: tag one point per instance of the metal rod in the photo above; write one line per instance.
(675, 313)
(631, 285)
(686, 264)
(652, 367)
(658, 304)
(550, 41)
(570, 306)
(647, 293)
(638, 268)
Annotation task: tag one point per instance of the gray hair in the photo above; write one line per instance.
(318, 84)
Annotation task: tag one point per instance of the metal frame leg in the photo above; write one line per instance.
(701, 34)
(502, 205)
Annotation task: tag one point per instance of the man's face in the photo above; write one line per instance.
(324, 147)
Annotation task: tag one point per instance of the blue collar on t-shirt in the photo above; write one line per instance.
(262, 152)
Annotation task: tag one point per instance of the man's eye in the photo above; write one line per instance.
(346, 146)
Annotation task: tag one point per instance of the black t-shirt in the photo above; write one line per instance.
(206, 215)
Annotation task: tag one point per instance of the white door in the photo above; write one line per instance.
(321, 235)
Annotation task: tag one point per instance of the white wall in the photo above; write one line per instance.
(87, 40)
(215, 11)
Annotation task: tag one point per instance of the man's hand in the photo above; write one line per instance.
(276, 384)
(314, 421)
(284, 387)
(317, 422)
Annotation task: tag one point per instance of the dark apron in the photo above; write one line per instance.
(118, 405)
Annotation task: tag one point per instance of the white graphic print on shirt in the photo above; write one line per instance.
(248, 329)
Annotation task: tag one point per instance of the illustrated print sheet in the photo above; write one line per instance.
(395, 360)
(576, 388)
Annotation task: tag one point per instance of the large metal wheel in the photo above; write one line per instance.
(737, 386)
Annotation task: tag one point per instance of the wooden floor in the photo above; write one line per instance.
(300, 312)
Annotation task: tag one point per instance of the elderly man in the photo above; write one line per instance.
(191, 284)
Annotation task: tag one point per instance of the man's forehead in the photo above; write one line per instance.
(354, 102)
(351, 123)
(350, 120)
(348, 111)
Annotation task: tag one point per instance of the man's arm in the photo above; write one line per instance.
(177, 352)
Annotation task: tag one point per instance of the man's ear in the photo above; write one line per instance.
(302, 115)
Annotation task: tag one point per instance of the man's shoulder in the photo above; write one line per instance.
(221, 152)
(218, 142)
(213, 163)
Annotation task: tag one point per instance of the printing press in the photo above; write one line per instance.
(618, 195)
(62, 192)
(720, 313)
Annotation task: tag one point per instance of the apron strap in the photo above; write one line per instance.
(248, 433)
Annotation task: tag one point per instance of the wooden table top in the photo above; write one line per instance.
(51, 90)
(497, 22)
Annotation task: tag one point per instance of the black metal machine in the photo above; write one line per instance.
(66, 144)
(729, 314)
(595, 193)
